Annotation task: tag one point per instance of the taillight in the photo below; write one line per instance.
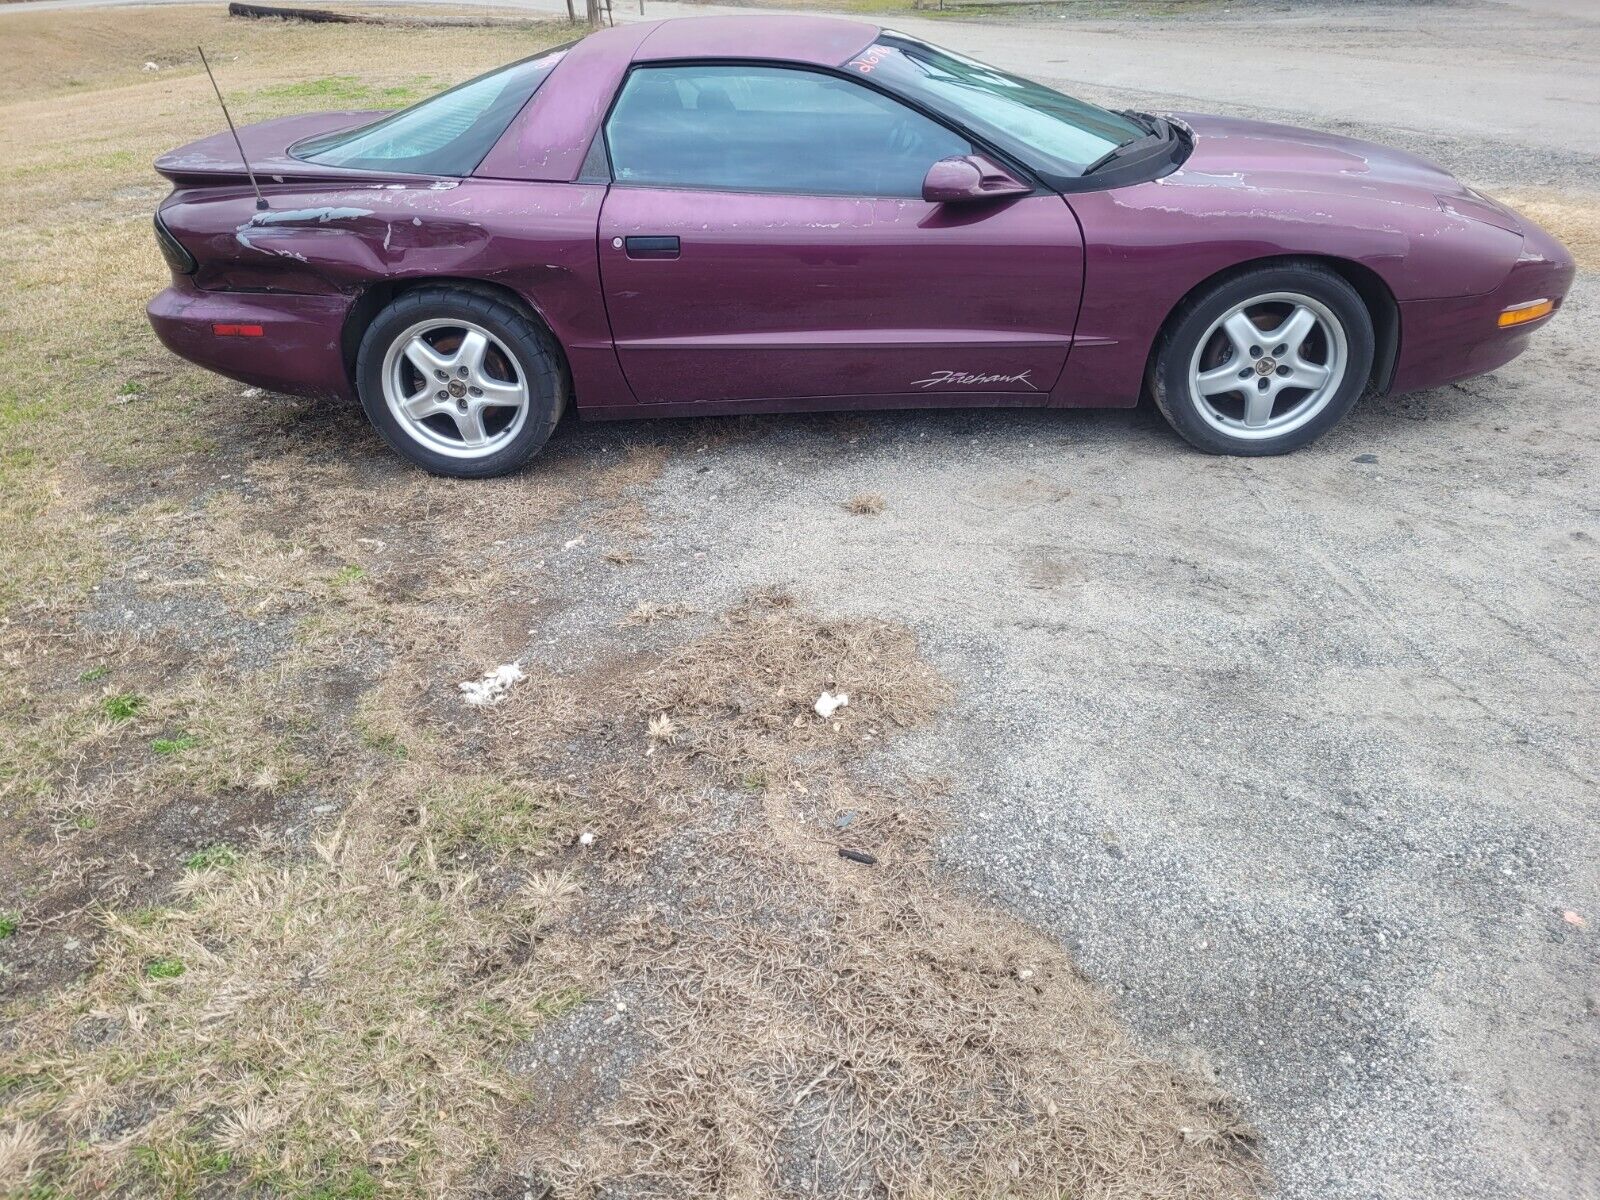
(179, 259)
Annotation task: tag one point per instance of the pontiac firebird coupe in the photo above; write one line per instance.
(764, 213)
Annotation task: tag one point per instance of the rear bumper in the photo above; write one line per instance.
(299, 351)
(1442, 341)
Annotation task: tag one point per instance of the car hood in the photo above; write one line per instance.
(1283, 158)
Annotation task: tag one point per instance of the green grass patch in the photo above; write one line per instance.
(492, 815)
(212, 858)
(9, 923)
(122, 707)
(94, 674)
(182, 1167)
(177, 745)
(341, 91)
(355, 1184)
(560, 1002)
(164, 968)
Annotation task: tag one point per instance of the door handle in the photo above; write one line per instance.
(651, 247)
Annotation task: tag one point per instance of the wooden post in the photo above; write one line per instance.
(572, 13)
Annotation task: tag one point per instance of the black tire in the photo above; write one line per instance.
(1198, 421)
(532, 352)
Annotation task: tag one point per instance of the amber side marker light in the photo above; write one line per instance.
(1521, 314)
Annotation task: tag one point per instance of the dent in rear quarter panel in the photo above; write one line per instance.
(1149, 245)
(538, 239)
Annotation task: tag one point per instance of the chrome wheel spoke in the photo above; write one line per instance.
(470, 423)
(1291, 335)
(1258, 406)
(428, 361)
(1243, 335)
(1305, 375)
(500, 393)
(471, 353)
(422, 404)
(1222, 379)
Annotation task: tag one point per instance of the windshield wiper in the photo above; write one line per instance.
(1159, 133)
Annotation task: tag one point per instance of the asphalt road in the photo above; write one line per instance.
(1298, 755)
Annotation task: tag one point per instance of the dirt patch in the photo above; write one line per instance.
(826, 1015)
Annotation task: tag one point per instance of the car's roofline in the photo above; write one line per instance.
(805, 40)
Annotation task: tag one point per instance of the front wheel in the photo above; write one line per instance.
(460, 383)
(1264, 362)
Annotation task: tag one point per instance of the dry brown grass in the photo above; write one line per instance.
(311, 1022)
(1572, 216)
(823, 1027)
(232, 633)
(865, 504)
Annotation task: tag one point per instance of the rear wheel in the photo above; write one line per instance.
(1264, 362)
(461, 384)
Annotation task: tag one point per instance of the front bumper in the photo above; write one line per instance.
(1442, 341)
(299, 352)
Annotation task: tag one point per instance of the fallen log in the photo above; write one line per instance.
(276, 12)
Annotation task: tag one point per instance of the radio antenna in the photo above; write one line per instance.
(261, 201)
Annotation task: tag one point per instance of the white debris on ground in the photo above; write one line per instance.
(150, 66)
(586, 838)
(580, 540)
(494, 685)
(828, 703)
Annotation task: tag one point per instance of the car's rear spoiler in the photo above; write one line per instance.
(216, 159)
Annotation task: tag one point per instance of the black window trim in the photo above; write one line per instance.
(979, 145)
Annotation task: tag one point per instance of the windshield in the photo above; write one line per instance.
(1024, 118)
(447, 134)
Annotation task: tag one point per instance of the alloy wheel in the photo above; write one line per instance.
(1268, 365)
(455, 388)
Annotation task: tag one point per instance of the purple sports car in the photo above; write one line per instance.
(761, 214)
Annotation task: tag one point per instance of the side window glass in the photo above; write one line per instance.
(770, 129)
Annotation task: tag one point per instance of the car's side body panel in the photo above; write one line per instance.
(1451, 338)
(1252, 191)
(536, 239)
(782, 297)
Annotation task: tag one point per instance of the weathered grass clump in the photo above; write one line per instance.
(291, 1026)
